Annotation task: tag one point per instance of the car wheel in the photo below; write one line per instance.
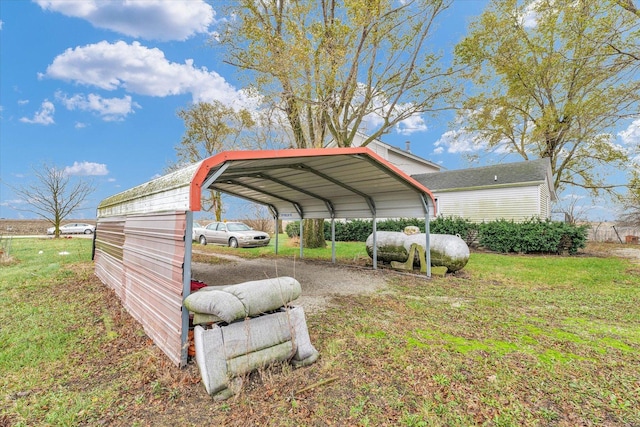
(203, 240)
(88, 231)
(233, 242)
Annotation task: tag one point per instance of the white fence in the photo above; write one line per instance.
(612, 232)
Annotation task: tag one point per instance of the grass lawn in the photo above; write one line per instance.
(511, 340)
(346, 252)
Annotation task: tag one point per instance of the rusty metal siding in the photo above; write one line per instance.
(108, 252)
(141, 257)
(110, 236)
(153, 258)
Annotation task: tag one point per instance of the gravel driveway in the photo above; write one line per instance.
(320, 281)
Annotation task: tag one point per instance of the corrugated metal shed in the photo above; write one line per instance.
(143, 237)
(141, 257)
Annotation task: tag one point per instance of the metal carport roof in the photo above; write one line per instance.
(314, 183)
(295, 183)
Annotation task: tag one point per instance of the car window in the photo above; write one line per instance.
(222, 227)
(212, 226)
(238, 227)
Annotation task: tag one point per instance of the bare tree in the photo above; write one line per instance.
(258, 217)
(572, 208)
(631, 204)
(53, 196)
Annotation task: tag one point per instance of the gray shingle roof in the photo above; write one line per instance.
(508, 173)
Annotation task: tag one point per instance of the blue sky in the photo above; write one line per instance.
(94, 87)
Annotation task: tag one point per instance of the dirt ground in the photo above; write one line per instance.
(631, 253)
(320, 281)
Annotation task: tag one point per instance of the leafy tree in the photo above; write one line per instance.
(53, 196)
(630, 6)
(333, 66)
(210, 128)
(549, 79)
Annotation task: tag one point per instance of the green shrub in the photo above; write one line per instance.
(357, 230)
(532, 236)
(293, 229)
(467, 230)
(399, 224)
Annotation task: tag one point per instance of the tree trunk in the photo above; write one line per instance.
(313, 233)
(217, 204)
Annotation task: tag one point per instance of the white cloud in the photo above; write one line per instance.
(465, 140)
(411, 125)
(149, 19)
(531, 13)
(141, 70)
(110, 109)
(1, 24)
(13, 202)
(44, 116)
(631, 135)
(86, 169)
(529, 18)
(23, 101)
(459, 141)
(80, 125)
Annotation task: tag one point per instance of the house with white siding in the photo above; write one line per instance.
(404, 160)
(512, 191)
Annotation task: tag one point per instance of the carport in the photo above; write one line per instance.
(143, 238)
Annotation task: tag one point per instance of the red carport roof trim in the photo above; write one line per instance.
(226, 156)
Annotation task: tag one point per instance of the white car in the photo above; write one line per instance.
(197, 230)
(232, 234)
(74, 228)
